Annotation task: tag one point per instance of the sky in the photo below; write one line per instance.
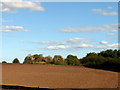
(57, 28)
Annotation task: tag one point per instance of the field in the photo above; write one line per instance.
(57, 76)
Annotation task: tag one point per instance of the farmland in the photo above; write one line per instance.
(57, 76)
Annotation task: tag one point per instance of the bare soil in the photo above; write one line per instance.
(57, 76)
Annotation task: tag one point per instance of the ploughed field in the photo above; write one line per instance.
(57, 76)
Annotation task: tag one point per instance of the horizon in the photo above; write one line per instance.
(57, 28)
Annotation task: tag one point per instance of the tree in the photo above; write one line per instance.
(93, 60)
(48, 59)
(118, 53)
(58, 60)
(72, 60)
(16, 60)
(107, 60)
(37, 58)
(91, 54)
(109, 53)
(28, 60)
(4, 62)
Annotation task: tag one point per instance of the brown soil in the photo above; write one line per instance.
(57, 76)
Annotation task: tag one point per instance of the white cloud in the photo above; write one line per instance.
(71, 41)
(103, 42)
(84, 46)
(10, 0)
(12, 28)
(104, 12)
(57, 47)
(12, 5)
(110, 34)
(115, 45)
(75, 47)
(110, 46)
(78, 40)
(109, 7)
(105, 28)
(70, 44)
(49, 43)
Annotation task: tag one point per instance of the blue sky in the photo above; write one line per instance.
(57, 28)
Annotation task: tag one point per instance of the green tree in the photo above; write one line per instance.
(28, 60)
(91, 54)
(119, 53)
(37, 58)
(16, 60)
(72, 60)
(108, 60)
(58, 60)
(109, 53)
(4, 62)
(93, 60)
(48, 59)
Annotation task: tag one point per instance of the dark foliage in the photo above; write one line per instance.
(107, 60)
(72, 60)
(16, 60)
(4, 62)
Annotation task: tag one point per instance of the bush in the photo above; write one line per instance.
(16, 60)
(4, 62)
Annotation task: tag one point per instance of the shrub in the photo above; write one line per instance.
(16, 60)
(4, 62)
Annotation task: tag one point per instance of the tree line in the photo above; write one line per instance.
(107, 60)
